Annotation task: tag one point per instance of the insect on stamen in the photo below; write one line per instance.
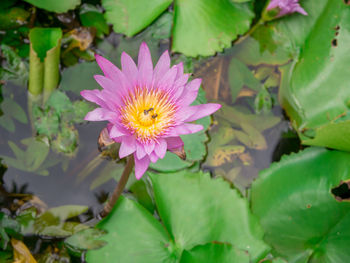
(147, 111)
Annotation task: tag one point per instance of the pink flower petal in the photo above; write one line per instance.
(112, 72)
(116, 131)
(129, 68)
(167, 81)
(191, 91)
(145, 66)
(162, 67)
(94, 96)
(141, 166)
(185, 128)
(140, 151)
(160, 148)
(149, 147)
(174, 142)
(153, 157)
(180, 70)
(202, 110)
(101, 114)
(128, 146)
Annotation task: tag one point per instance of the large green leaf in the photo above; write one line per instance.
(60, 6)
(314, 89)
(133, 236)
(301, 218)
(130, 17)
(197, 210)
(204, 27)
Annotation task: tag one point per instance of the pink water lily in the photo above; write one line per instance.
(147, 108)
(285, 7)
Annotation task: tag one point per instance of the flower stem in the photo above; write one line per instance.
(119, 188)
(250, 32)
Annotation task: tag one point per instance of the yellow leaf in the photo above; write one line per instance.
(21, 253)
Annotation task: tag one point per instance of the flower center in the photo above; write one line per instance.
(148, 113)
(147, 117)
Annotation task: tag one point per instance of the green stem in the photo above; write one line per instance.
(250, 32)
(119, 188)
(36, 73)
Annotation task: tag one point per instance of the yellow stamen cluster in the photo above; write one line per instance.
(148, 113)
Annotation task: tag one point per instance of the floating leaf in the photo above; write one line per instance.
(130, 17)
(189, 205)
(91, 16)
(311, 225)
(131, 226)
(206, 27)
(71, 82)
(55, 6)
(314, 88)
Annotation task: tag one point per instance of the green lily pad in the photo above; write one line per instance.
(196, 212)
(204, 27)
(190, 205)
(314, 88)
(55, 6)
(71, 82)
(130, 17)
(91, 16)
(302, 219)
(133, 235)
